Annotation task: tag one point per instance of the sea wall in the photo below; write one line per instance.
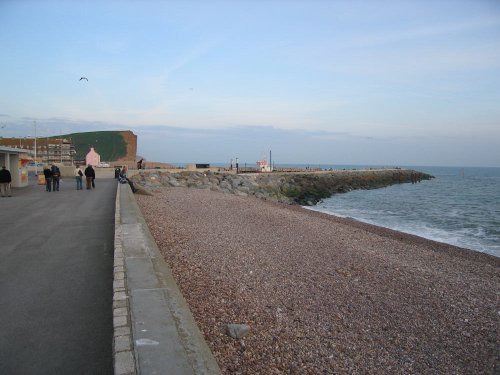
(294, 188)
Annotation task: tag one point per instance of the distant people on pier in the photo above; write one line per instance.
(139, 164)
(5, 180)
(47, 172)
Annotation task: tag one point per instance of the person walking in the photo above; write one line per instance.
(89, 176)
(5, 180)
(78, 177)
(48, 178)
(56, 175)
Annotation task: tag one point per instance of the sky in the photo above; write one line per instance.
(317, 82)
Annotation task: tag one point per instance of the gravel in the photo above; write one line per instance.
(325, 295)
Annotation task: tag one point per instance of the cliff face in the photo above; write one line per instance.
(294, 188)
(131, 141)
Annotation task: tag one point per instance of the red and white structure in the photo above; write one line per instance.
(263, 166)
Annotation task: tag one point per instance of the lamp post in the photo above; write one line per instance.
(60, 145)
(36, 162)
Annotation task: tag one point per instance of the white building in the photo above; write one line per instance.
(263, 166)
(15, 160)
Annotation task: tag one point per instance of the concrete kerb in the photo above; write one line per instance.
(123, 351)
(154, 330)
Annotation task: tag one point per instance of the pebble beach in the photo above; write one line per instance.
(322, 294)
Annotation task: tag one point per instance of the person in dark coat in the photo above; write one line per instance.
(5, 180)
(56, 175)
(48, 178)
(89, 176)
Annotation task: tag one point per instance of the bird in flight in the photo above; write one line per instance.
(84, 78)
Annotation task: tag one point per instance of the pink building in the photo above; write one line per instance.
(93, 158)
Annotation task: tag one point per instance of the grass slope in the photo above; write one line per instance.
(109, 144)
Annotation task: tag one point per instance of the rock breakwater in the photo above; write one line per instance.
(295, 188)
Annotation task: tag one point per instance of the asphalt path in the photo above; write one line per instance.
(56, 286)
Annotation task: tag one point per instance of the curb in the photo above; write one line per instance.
(154, 330)
(123, 352)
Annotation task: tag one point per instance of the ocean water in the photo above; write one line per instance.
(461, 207)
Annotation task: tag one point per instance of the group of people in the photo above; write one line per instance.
(52, 177)
(89, 174)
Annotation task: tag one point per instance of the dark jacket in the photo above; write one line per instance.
(5, 175)
(89, 172)
(55, 171)
(47, 173)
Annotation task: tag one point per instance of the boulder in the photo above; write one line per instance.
(237, 331)
(173, 182)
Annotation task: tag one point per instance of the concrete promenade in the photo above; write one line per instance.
(85, 290)
(56, 279)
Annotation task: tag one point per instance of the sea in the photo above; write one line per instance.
(460, 206)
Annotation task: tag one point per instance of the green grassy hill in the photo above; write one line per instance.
(109, 144)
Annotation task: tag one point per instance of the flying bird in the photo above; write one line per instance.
(84, 78)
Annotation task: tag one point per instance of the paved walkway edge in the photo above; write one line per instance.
(154, 330)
